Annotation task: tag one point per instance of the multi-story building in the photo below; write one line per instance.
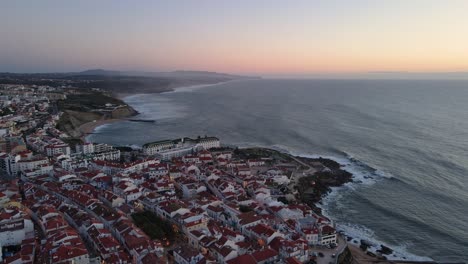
(168, 149)
(86, 148)
(57, 149)
(15, 226)
(98, 148)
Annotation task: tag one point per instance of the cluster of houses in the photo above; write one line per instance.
(230, 216)
(23, 109)
(69, 205)
(83, 224)
(16, 225)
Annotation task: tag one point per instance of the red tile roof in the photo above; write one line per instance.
(243, 259)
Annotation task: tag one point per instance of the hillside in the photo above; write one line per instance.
(83, 108)
(120, 82)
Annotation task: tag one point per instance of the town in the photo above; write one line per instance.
(186, 200)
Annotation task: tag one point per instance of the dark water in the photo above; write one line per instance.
(406, 142)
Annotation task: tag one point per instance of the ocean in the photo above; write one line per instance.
(406, 142)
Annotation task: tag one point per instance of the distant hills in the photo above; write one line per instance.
(121, 82)
(173, 74)
(419, 75)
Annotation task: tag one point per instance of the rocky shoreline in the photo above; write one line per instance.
(322, 174)
(314, 187)
(316, 178)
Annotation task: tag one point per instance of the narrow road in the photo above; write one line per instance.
(328, 253)
(295, 176)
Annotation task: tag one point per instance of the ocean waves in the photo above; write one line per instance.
(408, 158)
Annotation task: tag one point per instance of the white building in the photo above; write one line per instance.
(14, 227)
(57, 149)
(8, 163)
(168, 149)
(155, 147)
(328, 235)
(102, 148)
(209, 142)
(86, 148)
(113, 154)
(177, 152)
(31, 164)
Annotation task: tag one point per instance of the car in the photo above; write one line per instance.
(333, 255)
(320, 254)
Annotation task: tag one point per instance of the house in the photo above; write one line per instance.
(187, 255)
(224, 253)
(328, 235)
(194, 222)
(263, 233)
(290, 213)
(15, 226)
(297, 249)
(243, 259)
(266, 256)
(70, 254)
(246, 220)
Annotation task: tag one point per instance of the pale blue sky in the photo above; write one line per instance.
(234, 36)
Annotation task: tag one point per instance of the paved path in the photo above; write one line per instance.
(328, 253)
(296, 175)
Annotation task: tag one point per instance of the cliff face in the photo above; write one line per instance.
(88, 107)
(71, 121)
(123, 112)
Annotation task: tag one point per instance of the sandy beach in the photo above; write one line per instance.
(88, 128)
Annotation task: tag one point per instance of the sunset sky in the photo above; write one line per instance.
(254, 37)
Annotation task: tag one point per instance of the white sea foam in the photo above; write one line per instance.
(192, 88)
(101, 127)
(358, 232)
(363, 175)
(157, 108)
(134, 146)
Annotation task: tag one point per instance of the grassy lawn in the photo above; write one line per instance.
(257, 153)
(87, 102)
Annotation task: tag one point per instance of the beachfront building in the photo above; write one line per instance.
(86, 148)
(328, 235)
(101, 147)
(168, 149)
(175, 153)
(155, 147)
(208, 142)
(101, 151)
(108, 155)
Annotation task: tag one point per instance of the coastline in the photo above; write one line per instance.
(340, 193)
(88, 128)
(400, 253)
(355, 232)
(182, 87)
